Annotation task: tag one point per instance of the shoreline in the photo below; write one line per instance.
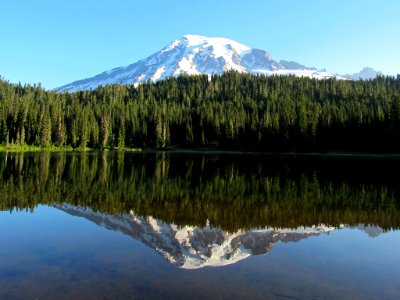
(37, 149)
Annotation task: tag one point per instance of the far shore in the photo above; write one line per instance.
(36, 149)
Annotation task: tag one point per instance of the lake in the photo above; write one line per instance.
(191, 225)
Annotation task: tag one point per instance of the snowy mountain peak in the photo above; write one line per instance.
(195, 54)
(192, 40)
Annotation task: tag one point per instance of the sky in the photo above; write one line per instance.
(55, 42)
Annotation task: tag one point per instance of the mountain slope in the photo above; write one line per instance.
(193, 54)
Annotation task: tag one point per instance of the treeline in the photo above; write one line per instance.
(231, 111)
(231, 192)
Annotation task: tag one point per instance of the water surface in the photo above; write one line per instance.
(224, 226)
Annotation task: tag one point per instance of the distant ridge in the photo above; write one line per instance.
(365, 73)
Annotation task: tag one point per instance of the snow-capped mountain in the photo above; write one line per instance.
(193, 54)
(192, 247)
(365, 73)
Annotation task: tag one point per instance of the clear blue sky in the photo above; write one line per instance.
(55, 42)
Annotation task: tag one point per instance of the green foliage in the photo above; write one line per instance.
(30, 148)
(231, 111)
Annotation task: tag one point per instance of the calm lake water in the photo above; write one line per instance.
(199, 226)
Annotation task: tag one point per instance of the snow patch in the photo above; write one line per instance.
(171, 46)
(158, 73)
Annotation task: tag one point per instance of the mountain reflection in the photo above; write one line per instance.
(192, 247)
(233, 192)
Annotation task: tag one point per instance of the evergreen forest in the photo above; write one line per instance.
(229, 111)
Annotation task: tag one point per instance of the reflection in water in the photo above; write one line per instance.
(198, 210)
(192, 247)
(232, 192)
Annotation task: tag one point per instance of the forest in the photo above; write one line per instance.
(229, 111)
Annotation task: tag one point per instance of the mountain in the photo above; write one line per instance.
(193, 54)
(191, 247)
(365, 73)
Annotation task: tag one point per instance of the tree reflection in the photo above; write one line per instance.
(229, 191)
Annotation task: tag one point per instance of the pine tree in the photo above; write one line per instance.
(45, 129)
(121, 134)
(105, 131)
(60, 134)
